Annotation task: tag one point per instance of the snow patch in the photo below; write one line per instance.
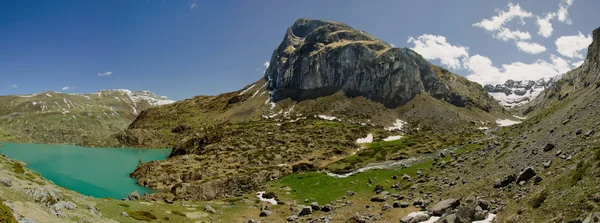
(489, 219)
(247, 89)
(483, 128)
(368, 139)
(506, 122)
(260, 197)
(519, 117)
(326, 117)
(396, 125)
(392, 138)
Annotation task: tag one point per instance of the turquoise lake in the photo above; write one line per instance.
(97, 172)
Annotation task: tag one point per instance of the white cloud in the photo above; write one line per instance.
(563, 11)
(577, 63)
(484, 72)
(545, 27)
(497, 22)
(13, 86)
(572, 46)
(506, 34)
(67, 88)
(266, 64)
(108, 73)
(434, 47)
(193, 5)
(530, 48)
(392, 45)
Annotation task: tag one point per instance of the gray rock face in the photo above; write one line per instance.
(44, 195)
(306, 210)
(592, 218)
(315, 206)
(318, 58)
(209, 209)
(5, 182)
(440, 208)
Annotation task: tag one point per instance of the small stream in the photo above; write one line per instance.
(396, 164)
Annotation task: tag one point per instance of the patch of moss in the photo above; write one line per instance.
(141, 215)
(18, 168)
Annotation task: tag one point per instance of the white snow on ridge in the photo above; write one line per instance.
(514, 100)
(506, 122)
(139, 96)
(368, 139)
(396, 125)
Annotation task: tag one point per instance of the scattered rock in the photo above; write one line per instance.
(350, 193)
(527, 174)
(292, 218)
(578, 132)
(548, 147)
(44, 195)
(592, 218)
(124, 214)
(315, 206)
(504, 181)
(5, 182)
(306, 210)
(404, 204)
(441, 207)
(394, 177)
(396, 204)
(209, 209)
(547, 164)
(134, 196)
(386, 207)
(589, 133)
(326, 208)
(265, 213)
(406, 177)
(378, 198)
(378, 189)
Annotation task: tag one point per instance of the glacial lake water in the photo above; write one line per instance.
(97, 172)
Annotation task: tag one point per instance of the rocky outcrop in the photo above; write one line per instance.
(318, 58)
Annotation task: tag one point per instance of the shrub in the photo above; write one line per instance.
(539, 199)
(6, 215)
(178, 213)
(141, 215)
(124, 205)
(579, 172)
(18, 168)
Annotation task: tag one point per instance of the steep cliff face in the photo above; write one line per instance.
(318, 58)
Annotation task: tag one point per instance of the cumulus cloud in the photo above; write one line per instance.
(506, 34)
(67, 88)
(563, 11)
(484, 72)
(544, 25)
(434, 47)
(193, 5)
(530, 48)
(504, 16)
(13, 86)
(572, 46)
(108, 73)
(266, 64)
(392, 45)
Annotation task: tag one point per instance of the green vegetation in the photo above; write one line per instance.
(419, 143)
(18, 167)
(178, 213)
(579, 172)
(6, 215)
(538, 200)
(141, 215)
(124, 205)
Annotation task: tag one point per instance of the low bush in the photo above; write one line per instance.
(141, 215)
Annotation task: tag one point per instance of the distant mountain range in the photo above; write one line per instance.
(54, 117)
(516, 93)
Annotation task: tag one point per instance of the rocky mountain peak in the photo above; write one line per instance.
(318, 58)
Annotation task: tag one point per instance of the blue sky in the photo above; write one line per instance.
(185, 48)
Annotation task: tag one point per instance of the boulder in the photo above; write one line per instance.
(5, 182)
(326, 208)
(406, 177)
(44, 195)
(386, 207)
(306, 210)
(396, 204)
(451, 218)
(292, 218)
(548, 147)
(526, 174)
(265, 213)
(504, 181)
(404, 204)
(378, 198)
(124, 214)
(441, 207)
(592, 218)
(350, 193)
(209, 209)
(547, 164)
(134, 196)
(315, 206)
(589, 133)
(378, 189)
(407, 219)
